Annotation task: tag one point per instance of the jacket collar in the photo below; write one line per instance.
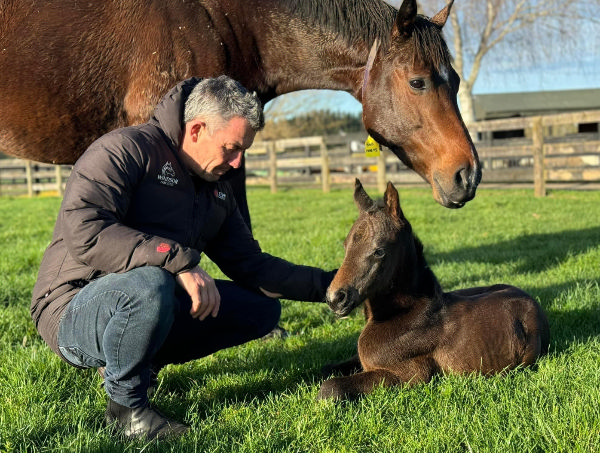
(168, 114)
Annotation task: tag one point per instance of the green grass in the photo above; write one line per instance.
(260, 397)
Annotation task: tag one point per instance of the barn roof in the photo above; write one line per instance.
(497, 106)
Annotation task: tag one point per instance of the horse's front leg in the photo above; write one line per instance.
(345, 368)
(411, 371)
(349, 387)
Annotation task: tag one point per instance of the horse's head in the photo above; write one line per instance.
(409, 105)
(377, 245)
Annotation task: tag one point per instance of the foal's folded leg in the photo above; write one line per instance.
(345, 368)
(349, 387)
(410, 371)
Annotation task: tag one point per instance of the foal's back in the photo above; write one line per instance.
(490, 329)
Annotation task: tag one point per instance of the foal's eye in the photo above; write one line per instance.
(379, 253)
(417, 84)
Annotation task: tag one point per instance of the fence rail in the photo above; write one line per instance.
(538, 159)
(19, 177)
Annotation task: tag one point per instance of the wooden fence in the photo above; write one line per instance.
(537, 159)
(20, 177)
(540, 158)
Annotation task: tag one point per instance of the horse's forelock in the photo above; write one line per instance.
(430, 48)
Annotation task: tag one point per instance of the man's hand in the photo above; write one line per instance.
(203, 292)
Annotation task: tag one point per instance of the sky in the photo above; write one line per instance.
(556, 76)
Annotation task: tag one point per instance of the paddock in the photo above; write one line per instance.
(261, 397)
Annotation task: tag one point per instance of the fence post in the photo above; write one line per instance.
(539, 173)
(381, 172)
(325, 174)
(59, 180)
(272, 151)
(29, 175)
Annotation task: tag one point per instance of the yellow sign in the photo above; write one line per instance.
(372, 148)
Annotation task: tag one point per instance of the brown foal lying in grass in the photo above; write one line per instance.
(415, 330)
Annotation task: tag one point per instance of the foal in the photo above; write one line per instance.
(414, 330)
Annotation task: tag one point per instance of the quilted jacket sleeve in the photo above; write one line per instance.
(95, 204)
(240, 257)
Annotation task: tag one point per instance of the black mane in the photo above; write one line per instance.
(365, 20)
(351, 19)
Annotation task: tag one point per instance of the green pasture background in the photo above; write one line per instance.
(260, 397)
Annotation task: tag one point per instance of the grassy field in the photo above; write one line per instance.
(261, 397)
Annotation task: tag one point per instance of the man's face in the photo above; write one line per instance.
(211, 156)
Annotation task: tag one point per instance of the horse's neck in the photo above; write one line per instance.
(415, 290)
(292, 54)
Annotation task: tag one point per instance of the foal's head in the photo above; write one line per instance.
(379, 246)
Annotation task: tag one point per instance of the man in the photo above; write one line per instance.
(120, 285)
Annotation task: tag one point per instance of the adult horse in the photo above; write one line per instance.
(73, 70)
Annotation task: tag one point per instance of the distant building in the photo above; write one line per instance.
(501, 106)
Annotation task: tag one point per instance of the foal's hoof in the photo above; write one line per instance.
(330, 390)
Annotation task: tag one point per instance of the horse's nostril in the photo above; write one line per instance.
(461, 179)
(341, 296)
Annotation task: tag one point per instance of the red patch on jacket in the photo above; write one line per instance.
(163, 247)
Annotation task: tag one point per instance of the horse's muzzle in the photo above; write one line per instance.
(458, 191)
(343, 300)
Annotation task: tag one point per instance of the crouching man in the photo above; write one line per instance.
(120, 286)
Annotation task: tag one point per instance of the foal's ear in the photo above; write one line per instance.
(440, 18)
(392, 202)
(361, 198)
(407, 13)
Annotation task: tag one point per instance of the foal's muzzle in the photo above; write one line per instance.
(343, 300)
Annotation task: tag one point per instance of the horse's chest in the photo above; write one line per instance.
(383, 344)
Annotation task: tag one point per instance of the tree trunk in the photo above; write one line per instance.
(467, 110)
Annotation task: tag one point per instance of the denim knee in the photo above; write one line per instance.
(155, 292)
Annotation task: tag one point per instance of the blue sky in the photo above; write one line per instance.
(579, 74)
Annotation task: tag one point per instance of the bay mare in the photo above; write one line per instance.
(73, 70)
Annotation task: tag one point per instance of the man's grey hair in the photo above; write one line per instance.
(218, 100)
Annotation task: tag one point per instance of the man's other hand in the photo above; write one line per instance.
(206, 299)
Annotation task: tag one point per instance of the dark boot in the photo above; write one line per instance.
(142, 422)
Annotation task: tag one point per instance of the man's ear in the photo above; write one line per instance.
(196, 129)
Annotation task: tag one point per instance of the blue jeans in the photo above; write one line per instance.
(130, 321)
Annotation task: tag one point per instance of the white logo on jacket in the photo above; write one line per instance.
(167, 175)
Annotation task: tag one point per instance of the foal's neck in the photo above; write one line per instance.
(415, 288)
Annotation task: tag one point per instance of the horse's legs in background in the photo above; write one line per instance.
(345, 368)
(237, 180)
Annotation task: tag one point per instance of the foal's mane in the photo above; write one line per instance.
(365, 20)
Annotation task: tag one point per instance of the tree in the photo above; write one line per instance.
(524, 29)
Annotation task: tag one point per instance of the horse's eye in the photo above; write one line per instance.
(417, 84)
(379, 253)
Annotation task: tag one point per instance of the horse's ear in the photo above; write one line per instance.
(361, 198)
(392, 202)
(405, 19)
(440, 18)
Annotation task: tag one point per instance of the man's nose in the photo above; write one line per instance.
(236, 161)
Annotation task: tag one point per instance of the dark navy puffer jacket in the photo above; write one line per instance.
(130, 202)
